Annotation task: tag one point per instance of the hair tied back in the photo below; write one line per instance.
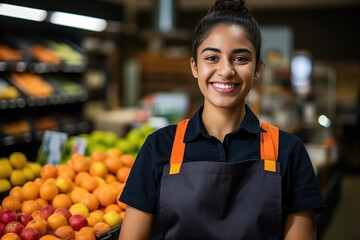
(229, 5)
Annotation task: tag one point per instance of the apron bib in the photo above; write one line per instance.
(217, 200)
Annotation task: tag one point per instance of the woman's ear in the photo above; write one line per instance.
(193, 67)
(258, 70)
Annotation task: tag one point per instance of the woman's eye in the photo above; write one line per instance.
(211, 58)
(240, 59)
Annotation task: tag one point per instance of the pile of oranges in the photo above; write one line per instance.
(86, 185)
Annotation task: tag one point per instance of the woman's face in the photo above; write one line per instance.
(226, 66)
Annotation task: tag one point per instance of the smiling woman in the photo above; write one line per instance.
(222, 174)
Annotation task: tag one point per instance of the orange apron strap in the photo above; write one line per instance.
(177, 152)
(269, 146)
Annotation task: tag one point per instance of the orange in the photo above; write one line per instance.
(128, 160)
(66, 171)
(30, 191)
(10, 236)
(114, 152)
(89, 183)
(101, 228)
(77, 193)
(96, 215)
(98, 169)
(91, 221)
(98, 156)
(42, 202)
(80, 163)
(48, 171)
(120, 204)
(105, 195)
(39, 225)
(84, 235)
(112, 207)
(98, 211)
(80, 176)
(123, 173)
(64, 183)
(56, 220)
(48, 191)
(16, 192)
(39, 181)
(49, 237)
(122, 215)
(113, 163)
(109, 178)
(62, 201)
(35, 214)
(90, 201)
(29, 206)
(65, 232)
(12, 203)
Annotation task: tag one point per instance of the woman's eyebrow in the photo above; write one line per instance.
(211, 49)
(238, 50)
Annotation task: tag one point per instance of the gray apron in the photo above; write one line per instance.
(218, 200)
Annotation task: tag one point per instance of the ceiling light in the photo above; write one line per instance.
(78, 21)
(22, 12)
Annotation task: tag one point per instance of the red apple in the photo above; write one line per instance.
(46, 211)
(2, 227)
(77, 222)
(14, 227)
(7, 216)
(24, 218)
(63, 211)
(29, 233)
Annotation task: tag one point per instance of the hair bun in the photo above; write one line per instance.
(229, 5)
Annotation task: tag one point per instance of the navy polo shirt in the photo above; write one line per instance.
(300, 190)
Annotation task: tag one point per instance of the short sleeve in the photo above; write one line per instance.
(304, 189)
(140, 190)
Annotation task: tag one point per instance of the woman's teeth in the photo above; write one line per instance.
(224, 86)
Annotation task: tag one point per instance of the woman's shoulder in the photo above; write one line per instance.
(164, 133)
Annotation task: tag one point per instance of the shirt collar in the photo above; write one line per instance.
(195, 126)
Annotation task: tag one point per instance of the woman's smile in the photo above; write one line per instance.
(224, 87)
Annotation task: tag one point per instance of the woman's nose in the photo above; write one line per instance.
(226, 69)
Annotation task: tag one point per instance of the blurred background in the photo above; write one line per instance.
(110, 67)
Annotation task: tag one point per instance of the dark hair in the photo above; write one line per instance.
(228, 12)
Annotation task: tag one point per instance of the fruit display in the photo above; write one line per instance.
(68, 54)
(15, 127)
(43, 54)
(32, 84)
(76, 200)
(66, 86)
(7, 91)
(103, 140)
(16, 170)
(10, 54)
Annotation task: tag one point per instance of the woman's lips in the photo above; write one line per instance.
(224, 87)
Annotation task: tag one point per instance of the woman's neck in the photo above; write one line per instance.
(220, 121)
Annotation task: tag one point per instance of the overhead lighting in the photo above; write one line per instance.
(324, 121)
(78, 21)
(22, 12)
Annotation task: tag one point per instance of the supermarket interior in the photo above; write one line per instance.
(91, 79)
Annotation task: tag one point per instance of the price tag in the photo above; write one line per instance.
(79, 145)
(52, 146)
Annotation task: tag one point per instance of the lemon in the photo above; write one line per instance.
(29, 174)
(4, 185)
(79, 208)
(17, 177)
(5, 169)
(112, 218)
(18, 160)
(35, 167)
